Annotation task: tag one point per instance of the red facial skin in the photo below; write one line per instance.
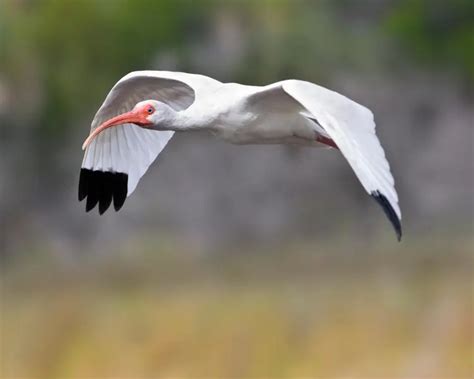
(136, 116)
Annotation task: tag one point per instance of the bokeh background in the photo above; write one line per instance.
(234, 261)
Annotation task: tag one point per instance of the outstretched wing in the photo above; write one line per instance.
(118, 157)
(349, 125)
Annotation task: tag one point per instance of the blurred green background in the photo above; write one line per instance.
(231, 261)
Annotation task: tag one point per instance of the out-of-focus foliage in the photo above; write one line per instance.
(59, 58)
(285, 314)
(439, 33)
(77, 48)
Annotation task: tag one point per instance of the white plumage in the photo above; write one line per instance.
(145, 108)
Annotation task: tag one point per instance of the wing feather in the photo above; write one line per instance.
(352, 128)
(350, 125)
(118, 157)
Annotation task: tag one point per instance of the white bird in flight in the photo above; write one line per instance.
(145, 108)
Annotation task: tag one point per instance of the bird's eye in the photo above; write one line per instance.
(150, 110)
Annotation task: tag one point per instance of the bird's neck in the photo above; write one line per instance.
(186, 121)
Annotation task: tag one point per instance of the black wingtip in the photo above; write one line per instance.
(120, 191)
(102, 187)
(390, 212)
(83, 179)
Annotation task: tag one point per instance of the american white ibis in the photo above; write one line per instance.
(144, 109)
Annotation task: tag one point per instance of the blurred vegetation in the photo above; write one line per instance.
(77, 49)
(296, 312)
(438, 33)
(58, 58)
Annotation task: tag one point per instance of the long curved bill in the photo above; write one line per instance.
(131, 117)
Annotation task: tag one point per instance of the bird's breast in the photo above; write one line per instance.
(235, 127)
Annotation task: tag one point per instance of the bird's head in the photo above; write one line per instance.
(146, 114)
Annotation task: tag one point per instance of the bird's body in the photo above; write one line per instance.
(230, 119)
(234, 124)
(145, 108)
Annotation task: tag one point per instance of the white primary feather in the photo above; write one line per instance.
(348, 124)
(125, 149)
(129, 149)
(352, 128)
(176, 89)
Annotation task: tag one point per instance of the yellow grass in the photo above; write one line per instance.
(237, 320)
